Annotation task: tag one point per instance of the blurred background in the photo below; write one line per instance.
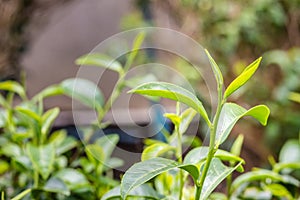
(42, 38)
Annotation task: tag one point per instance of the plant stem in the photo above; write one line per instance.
(36, 179)
(228, 183)
(118, 87)
(212, 147)
(179, 155)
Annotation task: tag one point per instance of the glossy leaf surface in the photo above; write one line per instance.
(174, 92)
(231, 113)
(242, 78)
(156, 150)
(13, 86)
(142, 172)
(48, 119)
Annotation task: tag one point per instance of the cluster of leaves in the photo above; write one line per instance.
(50, 164)
(204, 164)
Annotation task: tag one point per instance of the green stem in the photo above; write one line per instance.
(36, 179)
(179, 156)
(118, 87)
(212, 147)
(228, 183)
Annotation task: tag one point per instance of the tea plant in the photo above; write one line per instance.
(33, 157)
(54, 165)
(204, 164)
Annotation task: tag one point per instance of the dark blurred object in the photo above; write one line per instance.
(16, 16)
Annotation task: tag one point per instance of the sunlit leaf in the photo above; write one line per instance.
(100, 60)
(13, 86)
(242, 78)
(278, 191)
(156, 150)
(108, 144)
(50, 91)
(175, 119)
(286, 167)
(139, 39)
(95, 153)
(237, 145)
(22, 194)
(231, 113)
(48, 119)
(4, 166)
(294, 97)
(42, 158)
(29, 112)
(216, 69)
(174, 92)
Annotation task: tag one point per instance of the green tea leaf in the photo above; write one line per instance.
(242, 78)
(72, 178)
(42, 158)
(175, 119)
(66, 145)
(216, 70)
(156, 150)
(95, 153)
(186, 118)
(294, 97)
(286, 167)
(217, 172)
(278, 190)
(115, 162)
(143, 191)
(108, 144)
(11, 150)
(4, 166)
(57, 186)
(174, 92)
(48, 119)
(84, 91)
(199, 154)
(231, 113)
(29, 112)
(261, 175)
(100, 60)
(21, 195)
(135, 49)
(53, 90)
(290, 152)
(142, 172)
(237, 145)
(13, 86)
